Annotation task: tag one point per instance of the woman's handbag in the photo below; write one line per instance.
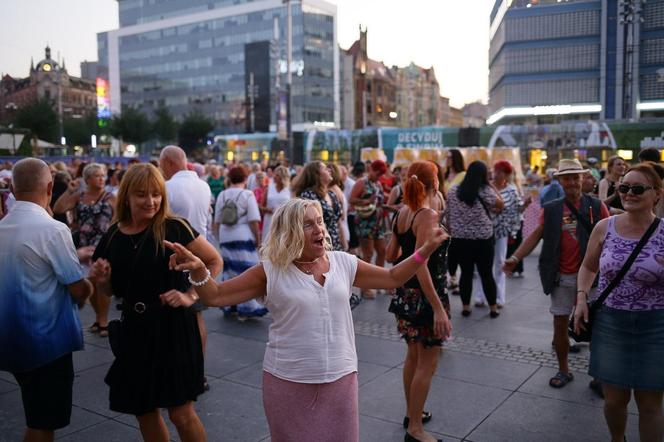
(114, 331)
(365, 212)
(412, 305)
(593, 306)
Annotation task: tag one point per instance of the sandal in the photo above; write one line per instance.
(426, 417)
(103, 331)
(94, 328)
(561, 379)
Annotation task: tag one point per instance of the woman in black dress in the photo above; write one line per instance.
(424, 331)
(159, 363)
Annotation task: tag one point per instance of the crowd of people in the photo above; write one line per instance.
(170, 238)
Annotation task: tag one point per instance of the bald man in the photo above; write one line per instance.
(41, 285)
(190, 198)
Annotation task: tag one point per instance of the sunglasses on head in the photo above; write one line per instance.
(637, 189)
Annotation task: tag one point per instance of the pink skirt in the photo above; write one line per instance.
(304, 412)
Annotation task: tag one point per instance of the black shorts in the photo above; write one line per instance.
(47, 394)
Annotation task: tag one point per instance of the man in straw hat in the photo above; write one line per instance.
(565, 226)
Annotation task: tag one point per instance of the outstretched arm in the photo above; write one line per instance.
(249, 285)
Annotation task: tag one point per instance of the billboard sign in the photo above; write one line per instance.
(103, 102)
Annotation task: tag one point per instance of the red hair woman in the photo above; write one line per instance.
(425, 293)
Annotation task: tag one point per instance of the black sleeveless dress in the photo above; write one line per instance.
(160, 364)
(410, 293)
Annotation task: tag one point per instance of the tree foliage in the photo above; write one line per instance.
(193, 130)
(164, 126)
(79, 130)
(131, 125)
(40, 118)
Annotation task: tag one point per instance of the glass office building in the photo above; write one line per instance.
(552, 60)
(189, 55)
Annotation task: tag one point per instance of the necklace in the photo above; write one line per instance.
(136, 244)
(307, 270)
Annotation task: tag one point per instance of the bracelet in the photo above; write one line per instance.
(582, 291)
(200, 283)
(419, 258)
(516, 260)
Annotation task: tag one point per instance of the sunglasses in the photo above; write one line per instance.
(637, 189)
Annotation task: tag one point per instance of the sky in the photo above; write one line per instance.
(450, 35)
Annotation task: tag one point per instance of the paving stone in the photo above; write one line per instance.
(457, 406)
(108, 431)
(376, 430)
(531, 418)
(91, 392)
(255, 329)
(226, 354)
(7, 377)
(483, 371)
(576, 391)
(93, 356)
(379, 351)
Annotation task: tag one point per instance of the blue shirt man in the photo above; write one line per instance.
(41, 283)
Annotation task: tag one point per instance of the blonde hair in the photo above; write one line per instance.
(144, 177)
(286, 240)
(283, 172)
(91, 168)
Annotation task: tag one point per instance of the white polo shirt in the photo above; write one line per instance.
(190, 198)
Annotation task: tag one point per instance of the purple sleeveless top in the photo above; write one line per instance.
(642, 288)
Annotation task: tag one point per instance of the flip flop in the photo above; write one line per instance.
(561, 379)
(94, 328)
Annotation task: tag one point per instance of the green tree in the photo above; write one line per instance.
(164, 126)
(40, 118)
(79, 130)
(193, 130)
(132, 125)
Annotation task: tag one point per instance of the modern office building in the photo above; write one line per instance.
(191, 55)
(553, 60)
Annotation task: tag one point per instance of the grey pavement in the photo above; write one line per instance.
(491, 383)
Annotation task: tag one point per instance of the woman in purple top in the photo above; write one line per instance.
(628, 332)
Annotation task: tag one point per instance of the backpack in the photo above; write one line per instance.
(229, 211)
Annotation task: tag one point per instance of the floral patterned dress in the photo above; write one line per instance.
(93, 220)
(411, 297)
(372, 227)
(331, 214)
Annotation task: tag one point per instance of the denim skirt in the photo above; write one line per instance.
(627, 348)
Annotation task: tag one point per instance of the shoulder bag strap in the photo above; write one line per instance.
(579, 217)
(486, 209)
(625, 268)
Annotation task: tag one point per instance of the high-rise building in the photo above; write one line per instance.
(189, 55)
(552, 60)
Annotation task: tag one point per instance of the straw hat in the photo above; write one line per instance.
(568, 167)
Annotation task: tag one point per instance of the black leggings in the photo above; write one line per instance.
(452, 261)
(471, 253)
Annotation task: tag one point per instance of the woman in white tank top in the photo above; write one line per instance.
(310, 366)
(277, 193)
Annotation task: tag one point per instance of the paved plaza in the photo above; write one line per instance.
(491, 383)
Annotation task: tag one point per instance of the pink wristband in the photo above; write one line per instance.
(419, 258)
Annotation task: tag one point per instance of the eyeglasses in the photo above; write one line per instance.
(637, 189)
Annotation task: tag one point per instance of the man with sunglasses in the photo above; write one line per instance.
(565, 226)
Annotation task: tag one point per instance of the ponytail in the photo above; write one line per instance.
(414, 192)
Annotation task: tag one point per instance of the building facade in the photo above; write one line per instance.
(552, 60)
(72, 97)
(418, 97)
(189, 55)
(374, 95)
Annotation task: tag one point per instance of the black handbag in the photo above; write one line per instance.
(585, 334)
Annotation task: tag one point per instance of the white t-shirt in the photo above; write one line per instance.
(311, 339)
(189, 197)
(247, 211)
